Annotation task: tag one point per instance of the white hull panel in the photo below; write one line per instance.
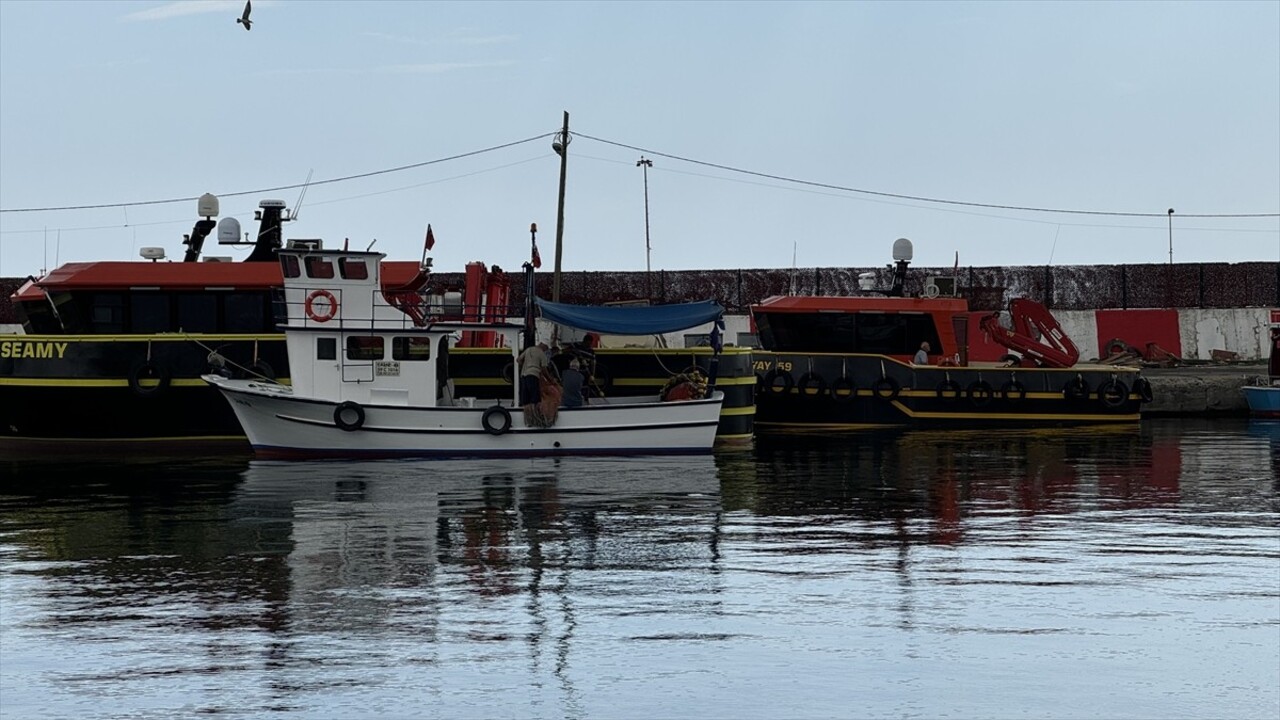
(279, 424)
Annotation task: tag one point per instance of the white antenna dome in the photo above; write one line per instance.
(228, 231)
(271, 204)
(152, 253)
(207, 205)
(902, 250)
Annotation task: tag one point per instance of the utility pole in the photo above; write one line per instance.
(1170, 236)
(561, 145)
(645, 164)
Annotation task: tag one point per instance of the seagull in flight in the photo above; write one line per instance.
(244, 19)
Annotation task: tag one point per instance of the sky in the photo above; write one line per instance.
(780, 133)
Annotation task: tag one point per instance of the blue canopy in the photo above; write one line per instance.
(632, 320)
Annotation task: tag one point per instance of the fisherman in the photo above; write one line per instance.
(532, 361)
(572, 381)
(922, 355)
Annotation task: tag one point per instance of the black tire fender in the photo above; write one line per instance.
(348, 416)
(262, 369)
(949, 390)
(811, 381)
(1113, 394)
(496, 420)
(1013, 391)
(508, 373)
(886, 388)
(980, 393)
(1077, 389)
(1142, 386)
(149, 370)
(771, 379)
(843, 389)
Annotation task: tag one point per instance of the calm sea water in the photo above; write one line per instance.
(1051, 574)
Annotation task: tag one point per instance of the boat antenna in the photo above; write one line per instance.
(794, 244)
(367, 249)
(297, 207)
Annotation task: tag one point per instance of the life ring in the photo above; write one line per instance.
(148, 370)
(496, 420)
(329, 312)
(811, 381)
(262, 369)
(1013, 391)
(1142, 386)
(349, 416)
(980, 393)
(771, 379)
(843, 389)
(1113, 394)
(948, 390)
(1077, 389)
(886, 388)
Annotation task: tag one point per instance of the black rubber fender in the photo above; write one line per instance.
(1077, 389)
(149, 370)
(771, 379)
(949, 390)
(886, 388)
(508, 373)
(348, 416)
(1013, 391)
(980, 393)
(496, 420)
(1142, 386)
(811, 384)
(1113, 394)
(843, 389)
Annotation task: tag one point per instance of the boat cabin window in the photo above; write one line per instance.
(244, 313)
(149, 313)
(289, 266)
(106, 313)
(411, 348)
(861, 332)
(318, 267)
(326, 348)
(198, 313)
(353, 269)
(364, 347)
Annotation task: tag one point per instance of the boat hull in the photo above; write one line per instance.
(797, 391)
(280, 425)
(1264, 400)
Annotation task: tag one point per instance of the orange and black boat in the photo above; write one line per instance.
(849, 362)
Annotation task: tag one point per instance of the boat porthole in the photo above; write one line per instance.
(496, 420)
(148, 378)
(348, 416)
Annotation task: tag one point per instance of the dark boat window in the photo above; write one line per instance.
(326, 348)
(149, 313)
(106, 313)
(867, 332)
(353, 269)
(411, 348)
(198, 312)
(318, 267)
(289, 266)
(37, 318)
(243, 313)
(364, 347)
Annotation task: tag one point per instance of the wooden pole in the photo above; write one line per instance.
(563, 150)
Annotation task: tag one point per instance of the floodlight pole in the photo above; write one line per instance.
(561, 146)
(645, 164)
(1170, 236)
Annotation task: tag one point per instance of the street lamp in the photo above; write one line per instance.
(1170, 236)
(645, 164)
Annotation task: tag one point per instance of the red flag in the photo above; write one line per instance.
(431, 238)
(537, 259)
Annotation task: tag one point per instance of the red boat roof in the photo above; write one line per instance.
(811, 304)
(122, 275)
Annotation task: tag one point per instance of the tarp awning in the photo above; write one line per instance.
(632, 320)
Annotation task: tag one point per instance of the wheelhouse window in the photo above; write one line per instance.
(326, 348)
(411, 348)
(106, 313)
(363, 347)
(244, 313)
(353, 269)
(289, 266)
(318, 267)
(862, 332)
(198, 313)
(149, 313)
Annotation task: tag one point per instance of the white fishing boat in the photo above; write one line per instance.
(369, 370)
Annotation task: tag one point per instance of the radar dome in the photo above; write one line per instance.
(207, 205)
(902, 250)
(229, 231)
